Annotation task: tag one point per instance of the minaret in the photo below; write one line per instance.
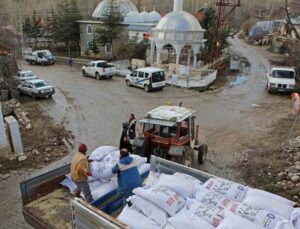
(178, 4)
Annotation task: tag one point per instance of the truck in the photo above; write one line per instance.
(43, 57)
(281, 79)
(46, 205)
(99, 69)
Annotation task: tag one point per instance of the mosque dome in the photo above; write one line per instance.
(146, 16)
(133, 17)
(155, 16)
(124, 6)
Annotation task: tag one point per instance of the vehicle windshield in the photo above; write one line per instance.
(47, 53)
(40, 84)
(27, 74)
(283, 74)
(158, 76)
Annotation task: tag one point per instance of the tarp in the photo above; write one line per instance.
(262, 28)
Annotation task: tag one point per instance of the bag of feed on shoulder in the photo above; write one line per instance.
(101, 170)
(264, 218)
(132, 217)
(184, 219)
(270, 202)
(99, 153)
(138, 160)
(233, 221)
(149, 209)
(211, 198)
(163, 197)
(177, 184)
(210, 214)
(231, 190)
(151, 179)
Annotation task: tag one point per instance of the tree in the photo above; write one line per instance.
(111, 25)
(289, 21)
(209, 23)
(64, 26)
(33, 29)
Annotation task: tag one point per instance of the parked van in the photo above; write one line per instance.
(148, 78)
(42, 57)
(281, 79)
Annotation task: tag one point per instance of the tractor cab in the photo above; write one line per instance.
(171, 132)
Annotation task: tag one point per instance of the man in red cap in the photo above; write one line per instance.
(80, 172)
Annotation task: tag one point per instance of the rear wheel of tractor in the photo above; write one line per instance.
(97, 76)
(188, 157)
(146, 88)
(128, 83)
(202, 152)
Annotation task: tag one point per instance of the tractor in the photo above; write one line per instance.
(170, 132)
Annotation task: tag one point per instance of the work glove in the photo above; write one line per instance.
(89, 174)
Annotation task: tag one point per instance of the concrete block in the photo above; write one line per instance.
(3, 137)
(14, 135)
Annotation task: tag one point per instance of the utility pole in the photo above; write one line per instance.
(289, 21)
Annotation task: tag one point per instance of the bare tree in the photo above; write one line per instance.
(289, 21)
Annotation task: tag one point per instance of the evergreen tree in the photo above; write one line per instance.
(65, 27)
(111, 25)
(209, 23)
(33, 28)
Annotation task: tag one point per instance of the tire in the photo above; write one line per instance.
(97, 76)
(43, 63)
(50, 96)
(33, 62)
(269, 90)
(146, 88)
(83, 73)
(33, 96)
(128, 83)
(202, 152)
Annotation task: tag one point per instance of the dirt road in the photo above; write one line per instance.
(230, 118)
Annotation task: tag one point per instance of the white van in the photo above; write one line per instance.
(281, 79)
(148, 78)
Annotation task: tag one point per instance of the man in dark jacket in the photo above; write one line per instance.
(129, 177)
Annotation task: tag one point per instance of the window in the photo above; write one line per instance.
(184, 128)
(141, 74)
(193, 128)
(40, 84)
(146, 75)
(134, 74)
(93, 65)
(89, 29)
(108, 48)
(102, 65)
(158, 77)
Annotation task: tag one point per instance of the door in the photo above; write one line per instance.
(133, 77)
(30, 89)
(93, 69)
(140, 79)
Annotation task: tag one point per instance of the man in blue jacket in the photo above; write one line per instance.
(129, 177)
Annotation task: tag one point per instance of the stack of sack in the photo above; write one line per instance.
(103, 181)
(182, 201)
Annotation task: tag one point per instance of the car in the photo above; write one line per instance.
(36, 89)
(25, 75)
(148, 78)
(99, 70)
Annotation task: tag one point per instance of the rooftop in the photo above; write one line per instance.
(170, 113)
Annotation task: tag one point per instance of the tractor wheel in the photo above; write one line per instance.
(202, 152)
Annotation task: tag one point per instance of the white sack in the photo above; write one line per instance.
(99, 153)
(177, 184)
(257, 192)
(188, 178)
(149, 209)
(210, 214)
(211, 198)
(233, 221)
(231, 190)
(101, 170)
(135, 219)
(295, 219)
(144, 168)
(262, 217)
(138, 160)
(185, 220)
(104, 189)
(163, 197)
(152, 179)
(278, 206)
